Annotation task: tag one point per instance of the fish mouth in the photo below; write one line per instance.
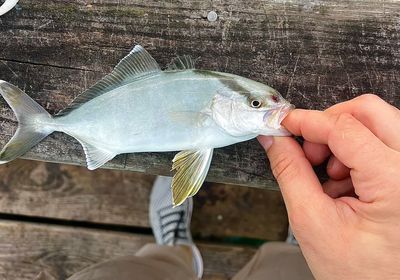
(284, 111)
(275, 116)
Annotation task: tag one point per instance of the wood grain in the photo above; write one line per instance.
(316, 53)
(27, 249)
(112, 197)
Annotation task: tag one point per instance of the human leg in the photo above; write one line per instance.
(174, 257)
(276, 261)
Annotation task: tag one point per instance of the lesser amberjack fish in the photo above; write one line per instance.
(139, 108)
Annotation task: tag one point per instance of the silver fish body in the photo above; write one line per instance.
(157, 114)
(139, 108)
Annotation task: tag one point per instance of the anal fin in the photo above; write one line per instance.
(96, 157)
(191, 170)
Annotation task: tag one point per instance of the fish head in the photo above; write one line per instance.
(250, 107)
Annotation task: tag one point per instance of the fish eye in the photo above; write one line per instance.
(255, 104)
(275, 98)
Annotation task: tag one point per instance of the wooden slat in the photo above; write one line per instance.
(121, 198)
(316, 53)
(233, 211)
(26, 249)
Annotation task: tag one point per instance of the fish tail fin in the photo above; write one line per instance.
(30, 115)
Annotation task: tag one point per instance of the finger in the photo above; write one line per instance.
(299, 184)
(374, 113)
(316, 153)
(265, 141)
(338, 188)
(356, 146)
(351, 142)
(337, 170)
(313, 122)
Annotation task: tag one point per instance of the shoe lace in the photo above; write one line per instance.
(173, 225)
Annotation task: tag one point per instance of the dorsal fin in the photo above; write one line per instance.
(184, 62)
(137, 64)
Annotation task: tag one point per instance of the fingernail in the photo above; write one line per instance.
(330, 164)
(266, 141)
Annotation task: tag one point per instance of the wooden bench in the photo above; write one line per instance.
(316, 53)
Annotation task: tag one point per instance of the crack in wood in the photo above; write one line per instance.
(44, 64)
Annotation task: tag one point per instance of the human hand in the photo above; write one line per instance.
(348, 227)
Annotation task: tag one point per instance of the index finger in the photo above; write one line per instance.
(349, 140)
(374, 113)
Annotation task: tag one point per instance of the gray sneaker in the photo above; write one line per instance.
(171, 225)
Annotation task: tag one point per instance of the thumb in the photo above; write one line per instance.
(301, 189)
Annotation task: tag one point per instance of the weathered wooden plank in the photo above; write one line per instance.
(239, 212)
(121, 198)
(316, 53)
(26, 249)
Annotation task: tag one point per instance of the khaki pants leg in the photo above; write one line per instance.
(276, 261)
(152, 262)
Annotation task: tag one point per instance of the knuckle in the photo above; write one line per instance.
(343, 122)
(369, 98)
(345, 129)
(282, 167)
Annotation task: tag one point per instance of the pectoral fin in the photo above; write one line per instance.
(191, 170)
